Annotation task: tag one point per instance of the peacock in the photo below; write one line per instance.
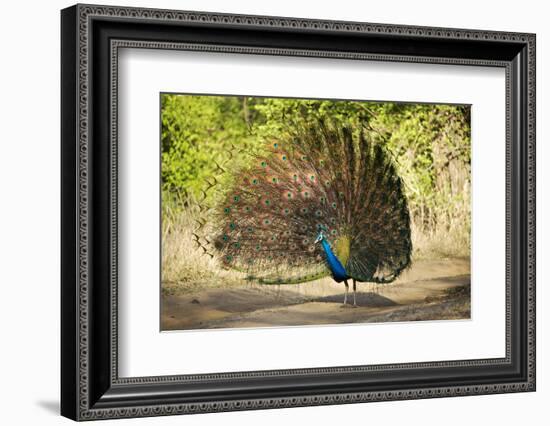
(320, 201)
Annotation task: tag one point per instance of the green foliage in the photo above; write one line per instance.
(197, 134)
(432, 146)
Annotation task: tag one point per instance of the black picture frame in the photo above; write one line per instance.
(90, 38)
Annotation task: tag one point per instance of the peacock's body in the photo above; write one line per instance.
(324, 201)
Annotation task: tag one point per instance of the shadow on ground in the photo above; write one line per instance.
(362, 299)
(51, 407)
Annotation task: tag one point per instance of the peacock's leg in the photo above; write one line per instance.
(346, 293)
(354, 290)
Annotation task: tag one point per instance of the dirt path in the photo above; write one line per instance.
(427, 291)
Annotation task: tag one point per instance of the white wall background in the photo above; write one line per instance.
(29, 212)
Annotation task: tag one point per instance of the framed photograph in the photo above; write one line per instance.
(263, 212)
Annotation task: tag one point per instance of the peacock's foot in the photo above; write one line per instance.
(346, 305)
(354, 306)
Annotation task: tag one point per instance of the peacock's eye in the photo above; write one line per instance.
(318, 213)
(274, 180)
(254, 181)
(236, 198)
(267, 221)
(312, 177)
(275, 145)
(306, 194)
(267, 202)
(263, 164)
(283, 157)
(237, 245)
(225, 237)
(227, 210)
(287, 211)
(229, 258)
(232, 226)
(333, 205)
(295, 177)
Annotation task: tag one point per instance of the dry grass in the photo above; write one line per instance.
(185, 267)
(442, 242)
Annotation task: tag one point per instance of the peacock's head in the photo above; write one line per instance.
(320, 237)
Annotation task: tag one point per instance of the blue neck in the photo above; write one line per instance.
(336, 267)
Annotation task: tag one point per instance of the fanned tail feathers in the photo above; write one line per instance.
(320, 178)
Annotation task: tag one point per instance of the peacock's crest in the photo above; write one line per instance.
(319, 178)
